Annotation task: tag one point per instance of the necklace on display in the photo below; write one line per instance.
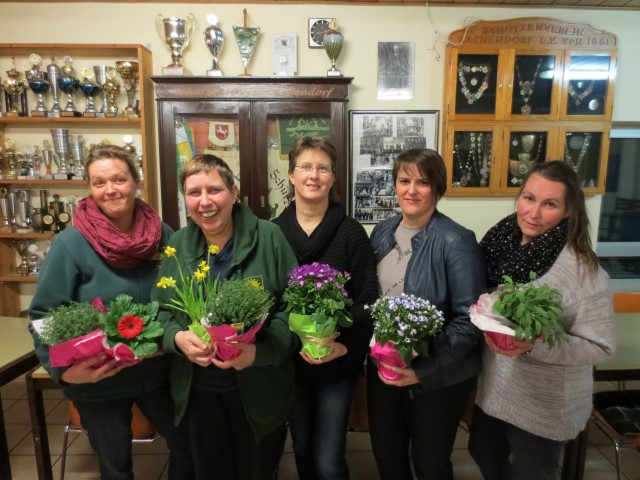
(526, 87)
(473, 69)
(469, 165)
(575, 141)
(578, 98)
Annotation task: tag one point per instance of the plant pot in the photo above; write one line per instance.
(502, 340)
(312, 340)
(388, 357)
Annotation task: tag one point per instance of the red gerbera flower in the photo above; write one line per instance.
(130, 326)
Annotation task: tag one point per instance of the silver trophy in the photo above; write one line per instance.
(69, 84)
(90, 89)
(176, 33)
(23, 217)
(20, 246)
(139, 160)
(77, 155)
(61, 146)
(34, 259)
(6, 208)
(103, 73)
(47, 157)
(214, 39)
(39, 85)
(53, 72)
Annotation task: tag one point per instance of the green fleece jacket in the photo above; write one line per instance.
(73, 270)
(260, 250)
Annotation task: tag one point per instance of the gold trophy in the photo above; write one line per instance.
(333, 41)
(176, 33)
(15, 89)
(111, 89)
(129, 71)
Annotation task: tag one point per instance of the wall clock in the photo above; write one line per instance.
(317, 29)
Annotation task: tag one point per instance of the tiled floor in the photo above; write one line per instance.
(150, 459)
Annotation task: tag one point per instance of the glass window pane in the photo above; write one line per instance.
(588, 77)
(476, 84)
(525, 150)
(582, 152)
(471, 159)
(533, 82)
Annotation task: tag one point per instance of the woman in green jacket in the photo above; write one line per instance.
(236, 409)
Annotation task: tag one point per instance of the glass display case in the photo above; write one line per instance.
(250, 122)
(526, 80)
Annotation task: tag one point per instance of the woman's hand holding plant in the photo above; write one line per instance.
(85, 371)
(246, 358)
(520, 347)
(339, 350)
(409, 377)
(194, 348)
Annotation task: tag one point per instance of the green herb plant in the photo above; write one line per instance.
(535, 310)
(69, 321)
(239, 303)
(132, 324)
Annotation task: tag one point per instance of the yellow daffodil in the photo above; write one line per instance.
(214, 249)
(170, 251)
(200, 275)
(254, 283)
(166, 282)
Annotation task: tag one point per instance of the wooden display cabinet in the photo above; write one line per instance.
(29, 130)
(250, 122)
(518, 77)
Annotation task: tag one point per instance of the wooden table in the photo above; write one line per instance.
(16, 358)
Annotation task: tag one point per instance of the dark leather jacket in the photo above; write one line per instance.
(448, 269)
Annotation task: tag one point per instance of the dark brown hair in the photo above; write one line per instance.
(114, 152)
(322, 144)
(429, 163)
(578, 238)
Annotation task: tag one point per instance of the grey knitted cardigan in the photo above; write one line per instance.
(548, 392)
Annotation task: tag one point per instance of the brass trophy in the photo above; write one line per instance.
(214, 39)
(15, 89)
(90, 89)
(333, 41)
(11, 157)
(69, 84)
(246, 38)
(38, 84)
(111, 89)
(20, 247)
(129, 71)
(176, 33)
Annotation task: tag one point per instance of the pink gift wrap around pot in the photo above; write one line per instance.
(223, 336)
(502, 340)
(388, 355)
(88, 346)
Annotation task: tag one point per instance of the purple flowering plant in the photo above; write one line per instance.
(318, 290)
(406, 321)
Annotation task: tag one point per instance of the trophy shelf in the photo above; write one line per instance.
(15, 278)
(26, 130)
(63, 120)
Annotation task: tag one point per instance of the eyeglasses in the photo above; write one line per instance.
(323, 170)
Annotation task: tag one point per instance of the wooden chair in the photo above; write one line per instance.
(143, 431)
(617, 413)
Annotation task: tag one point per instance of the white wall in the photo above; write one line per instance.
(362, 26)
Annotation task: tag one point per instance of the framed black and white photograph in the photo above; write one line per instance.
(395, 70)
(376, 138)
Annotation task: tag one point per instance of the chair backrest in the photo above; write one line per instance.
(140, 425)
(626, 302)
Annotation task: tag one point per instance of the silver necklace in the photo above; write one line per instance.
(526, 87)
(401, 254)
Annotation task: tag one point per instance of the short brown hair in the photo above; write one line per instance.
(204, 164)
(106, 152)
(429, 163)
(301, 145)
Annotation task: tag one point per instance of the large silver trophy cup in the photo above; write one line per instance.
(214, 39)
(176, 33)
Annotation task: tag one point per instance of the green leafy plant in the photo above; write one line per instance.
(535, 310)
(406, 321)
(69, 321)
(132, 324)
(239, 303)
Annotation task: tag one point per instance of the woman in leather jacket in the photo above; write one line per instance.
(425, 253)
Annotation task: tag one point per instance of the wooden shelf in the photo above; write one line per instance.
(15, 278)
(70, 120)
(31, 235)
(45, 182)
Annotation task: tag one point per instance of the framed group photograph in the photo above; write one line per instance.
(376, 138)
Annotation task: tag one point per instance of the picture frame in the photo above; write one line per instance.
(377, 137)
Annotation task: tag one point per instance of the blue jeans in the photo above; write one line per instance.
(318, 427)
(108, 424)
(506, 452)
